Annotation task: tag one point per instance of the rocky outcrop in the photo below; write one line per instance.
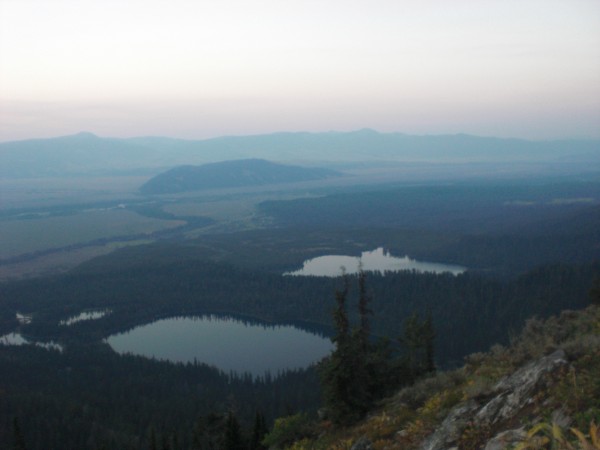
(451, 428)
(362, 444)
(509, 396)
(505, 439)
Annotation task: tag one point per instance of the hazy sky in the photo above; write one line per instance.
(195, 69)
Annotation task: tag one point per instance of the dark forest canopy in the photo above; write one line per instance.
(89, 396)
(470, 312)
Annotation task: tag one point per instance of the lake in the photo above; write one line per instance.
(231, 345)
(86, 315)
(377, 260)
(18, 339)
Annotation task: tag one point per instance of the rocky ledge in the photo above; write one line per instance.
(510, 395)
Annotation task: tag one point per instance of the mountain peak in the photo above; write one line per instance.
(84, 134)
(369, 131)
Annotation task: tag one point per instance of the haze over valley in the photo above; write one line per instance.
(118, 255)
(299, 225)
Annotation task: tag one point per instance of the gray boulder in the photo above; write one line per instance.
(509, 396)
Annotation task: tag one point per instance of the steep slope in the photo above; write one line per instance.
(541, 391)
(238, 173)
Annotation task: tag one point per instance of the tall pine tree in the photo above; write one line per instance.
(357, 372)
(418, 341)
(344, 374)
(337, 369)
(18, 440)
(233, 434)
(259, 431)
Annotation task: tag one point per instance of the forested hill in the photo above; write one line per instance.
(237, 173)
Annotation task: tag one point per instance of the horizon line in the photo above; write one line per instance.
(355, 131)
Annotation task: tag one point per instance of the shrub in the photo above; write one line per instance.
(287, 430)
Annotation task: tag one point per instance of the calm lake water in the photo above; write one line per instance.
(377, 260)
(86, 315)
(18, 339)
(229, 344)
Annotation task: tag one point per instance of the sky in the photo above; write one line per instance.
(200, 69)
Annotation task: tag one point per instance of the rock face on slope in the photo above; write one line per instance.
(510, 395)
(228, 174)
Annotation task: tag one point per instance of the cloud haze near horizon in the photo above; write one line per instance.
(201, 69)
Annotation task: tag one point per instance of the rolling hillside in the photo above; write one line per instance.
(238, 173)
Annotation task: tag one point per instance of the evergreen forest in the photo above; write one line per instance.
(526, 255)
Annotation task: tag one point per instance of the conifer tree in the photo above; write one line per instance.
(595, 291)
(363, 352)
(233, 434)
(363, 310)
(358, 372)
(165, 443)
(345, 374)
(209, 432)
(337, 373)
(340, 316)
(153, 445)
(259, 431)
(418, 340)
(428, 343)
(18, 440)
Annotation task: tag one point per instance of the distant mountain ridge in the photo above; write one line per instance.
(87, 154)
(227, 174)
(78, 154)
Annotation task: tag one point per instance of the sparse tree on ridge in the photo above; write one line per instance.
(337, 370)
(418, 340)
(344, 374)
(259, 431)
(359, 372)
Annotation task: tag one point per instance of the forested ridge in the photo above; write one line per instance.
(493, 228)
(527, 255)
(92, 394)
(90, 397)
(470, 312)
